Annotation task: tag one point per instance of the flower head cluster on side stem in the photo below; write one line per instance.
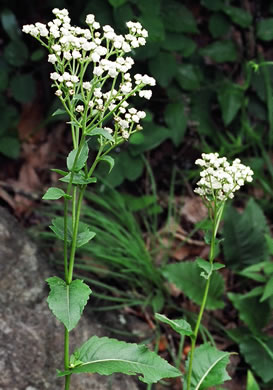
(220, 179)
(91, 73)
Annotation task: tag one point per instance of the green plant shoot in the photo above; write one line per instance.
(92, 80)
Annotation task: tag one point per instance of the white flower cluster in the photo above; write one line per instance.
(74, 48)
(220, 179)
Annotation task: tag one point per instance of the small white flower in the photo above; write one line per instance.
(90, 19)
(95, 57)
(76, 54)
(54, 76)
(86, 85)
(67, 55)
(80, 108)
(52, 58)
(146, 93)
(58, 93)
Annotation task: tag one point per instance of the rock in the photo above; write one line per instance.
(31, 339)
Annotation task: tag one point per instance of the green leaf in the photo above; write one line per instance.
(84, 234)
(205, 265)
(238, 15)
(84, 237)
(258, 354)
(163, 67)
(16, 53)
(201, 113)
(180, 326)
(106, 356)
(37, 55)
(10, 147)
(67, 301)
(264, 29)
(186, 276)
(78, 178)
(109, 161)
(209, 367)
(251, 382)
(268, 290)
(189, 77)
(256, 319)
(176, 121)
(152, 7)
(213, 5)
(178, 18)
(23, 88)
(59, 111)
(102, 132)
(81, 156)
(179, 42)
(54, 193)
(154, 25)
(10, 24)
(218, 25)
(244, 243)
(231, 98)
(220, 51)
(154, 136)
(117, 3)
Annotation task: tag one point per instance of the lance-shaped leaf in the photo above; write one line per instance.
(106, 356)
(209, 367)
(180, 326)
(67, 301)
(78, 178)
(81, 155)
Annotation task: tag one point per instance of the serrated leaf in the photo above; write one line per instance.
(268, 290)
(109, 161)
(176, 121)
(230, 97)
(251, 382)
(186, 276)
(81, 156)
(265, 29)
(78, 178)
(258, 354)
(54, 193)
(256, 319)
(180, 326)
(154, 136)
(244, 242)
(238, 15)
(209, 367)
(67, 301)
(102, 132)
(106, 356)
(220, 51)
(154, 25)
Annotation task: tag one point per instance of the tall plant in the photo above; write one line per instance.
(219, 180)
(93, 83)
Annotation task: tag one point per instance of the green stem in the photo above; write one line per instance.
(67, 382)
(75, 234)
(217, 214)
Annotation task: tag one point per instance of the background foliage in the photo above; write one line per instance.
(210, 96)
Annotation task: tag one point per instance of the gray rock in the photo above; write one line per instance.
(31, 339)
